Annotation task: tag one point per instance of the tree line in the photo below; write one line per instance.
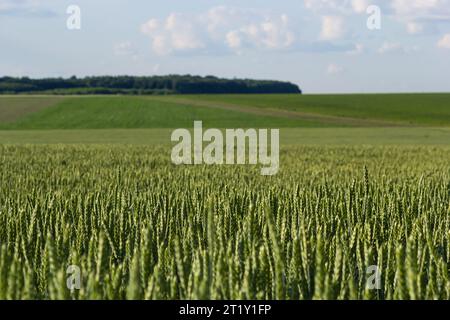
(170, 84)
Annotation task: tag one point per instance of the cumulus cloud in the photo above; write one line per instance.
(414, 27)
(417, 16)
(333, 14)
(332, 28)
(178, 32)
(444, 43)
(270, 34)
(360, 6)
(420, 15)
(220, 28)
(337, 6)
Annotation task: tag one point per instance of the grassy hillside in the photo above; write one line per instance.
(136, 112)
(336, 120)
(284, 111)
(415, 109)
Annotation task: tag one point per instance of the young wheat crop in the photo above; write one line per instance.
(139, 227)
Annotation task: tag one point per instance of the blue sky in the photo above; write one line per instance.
(322, 45)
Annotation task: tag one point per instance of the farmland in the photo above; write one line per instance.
(87, 181)
(222, 111)
(399, 109)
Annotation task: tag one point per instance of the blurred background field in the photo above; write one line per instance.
(303, 119)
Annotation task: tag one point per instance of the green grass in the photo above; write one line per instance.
(149, 120)
(139, 227)
(415, 109)
(137, 112)
(288, 136)
(225, 111)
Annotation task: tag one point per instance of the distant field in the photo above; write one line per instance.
(403, 109)
(288, 136)
(224, 111)
(121, 112)
(335, 120)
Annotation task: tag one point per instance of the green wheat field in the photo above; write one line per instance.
(364, 181)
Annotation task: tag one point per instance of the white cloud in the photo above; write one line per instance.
(234, 39)
(411, 9)
(178, 32)
(332, 28)
(334, 69)
(360, 6)
(337, 6)
(444, 43)
(414, 27)
(394, 47)
(270, 34)
(183, 32)
(220, 28)
(333, 14)
(420, 15)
